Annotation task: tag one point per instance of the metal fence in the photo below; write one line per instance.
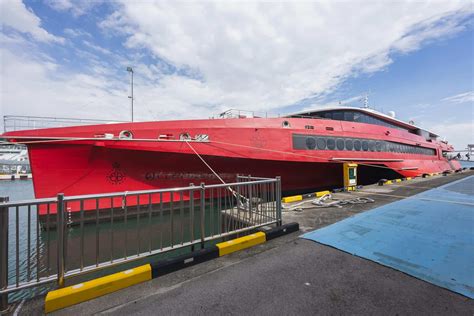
(49, 240)
(18, 123)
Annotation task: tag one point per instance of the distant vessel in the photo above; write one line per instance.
(13, 160)
(305, 149)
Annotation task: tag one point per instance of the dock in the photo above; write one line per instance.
(322, 272)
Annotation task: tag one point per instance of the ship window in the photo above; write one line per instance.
(349, 116)
(372, 145)
(310, 143)
(357, 145)
(321, 143)
(331, 143)
(309, 127)
(378, 146)
(338, 116)
(349, 144)
(340, 144)
(365, 145)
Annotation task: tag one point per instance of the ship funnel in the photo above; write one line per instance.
(391, 114)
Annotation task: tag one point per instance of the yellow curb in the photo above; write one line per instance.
(293, 198)
(321, 193)
(82, 292)
(237, 244)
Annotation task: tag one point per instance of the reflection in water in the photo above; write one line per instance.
(94, 243)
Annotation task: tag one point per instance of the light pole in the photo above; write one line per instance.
(130, 70)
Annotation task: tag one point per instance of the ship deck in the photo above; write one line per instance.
(293, 275)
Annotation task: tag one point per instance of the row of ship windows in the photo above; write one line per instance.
(356, 144)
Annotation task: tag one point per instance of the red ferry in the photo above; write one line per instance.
(306, 149)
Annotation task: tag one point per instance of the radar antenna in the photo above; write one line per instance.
(366, 101)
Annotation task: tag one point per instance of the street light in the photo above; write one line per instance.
(130, 70)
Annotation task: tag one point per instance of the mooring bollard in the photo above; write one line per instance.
(3, 253)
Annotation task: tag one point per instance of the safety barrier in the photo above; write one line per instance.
(82, 292)
(295, 198)
(50, 240)
(18, 123)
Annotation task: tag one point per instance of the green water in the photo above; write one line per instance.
(100, 242)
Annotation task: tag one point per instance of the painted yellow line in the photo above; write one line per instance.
(293, 198)
(388, 182)
(321, 193)
(398, 180)
(82, 292)
(240, 243)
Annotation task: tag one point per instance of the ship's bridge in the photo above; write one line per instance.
(364, 115)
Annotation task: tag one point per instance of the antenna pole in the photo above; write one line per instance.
(130, 70)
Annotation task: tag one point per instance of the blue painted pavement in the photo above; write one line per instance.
(429, 236)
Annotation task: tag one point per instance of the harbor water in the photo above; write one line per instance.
(101, 242)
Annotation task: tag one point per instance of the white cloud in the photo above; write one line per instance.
(257, 56)
(76, 33)
(16, 15)
(459, 134)
(266, 55)
(38, 87)
(76, 7)
(465, 97)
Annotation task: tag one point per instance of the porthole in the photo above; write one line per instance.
(125, 135)
(331, 143)
(357, 145)
(378, 146)
(285, 124)
(349, 144)
(310, 143)
(321, 143)
(371, 145)
(340, 144)
(365, 145)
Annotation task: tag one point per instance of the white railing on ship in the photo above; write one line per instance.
(44, 241)
(18, 123)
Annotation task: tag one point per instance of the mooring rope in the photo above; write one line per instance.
(321, 202)
(235, 194)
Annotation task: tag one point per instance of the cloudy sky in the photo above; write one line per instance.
(68, 58)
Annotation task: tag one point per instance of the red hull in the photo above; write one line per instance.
(260, 147)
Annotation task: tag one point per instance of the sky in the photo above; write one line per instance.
(66, 58)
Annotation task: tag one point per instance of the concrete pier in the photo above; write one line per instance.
(290, 275)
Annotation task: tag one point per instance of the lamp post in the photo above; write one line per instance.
(130, 70)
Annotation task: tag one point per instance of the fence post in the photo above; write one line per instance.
(203, 211)
(60, 229)
(278, 200)
(191, 215)
(3, 253)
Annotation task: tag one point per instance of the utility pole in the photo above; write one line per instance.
(130, 70)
